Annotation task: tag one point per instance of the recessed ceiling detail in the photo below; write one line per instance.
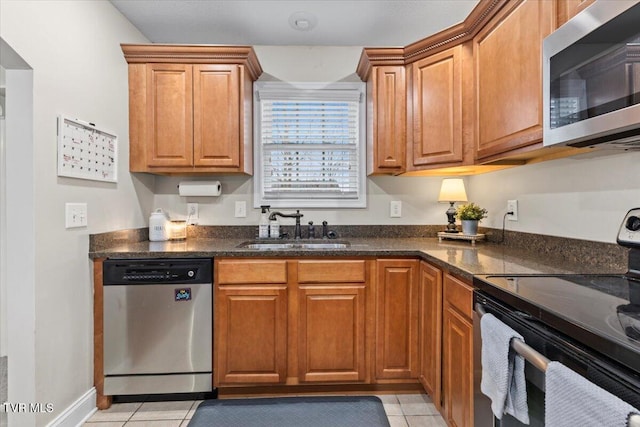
(303, 21)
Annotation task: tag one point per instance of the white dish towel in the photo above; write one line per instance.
(503, 370)
(572, 400)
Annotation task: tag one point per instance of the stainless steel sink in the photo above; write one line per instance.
(280, 245)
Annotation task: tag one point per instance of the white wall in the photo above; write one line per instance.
(583, 197)
(418, 195)
(79, 70)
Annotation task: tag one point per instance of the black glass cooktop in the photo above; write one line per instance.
(601, 312)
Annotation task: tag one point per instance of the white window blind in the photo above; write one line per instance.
(311, 148)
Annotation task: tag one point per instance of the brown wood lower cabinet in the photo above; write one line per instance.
(291, 321)
(397, 319)
(431, 330)
(457, 353)
(331, 334)
(250, 339)
(380, 323)
(252, 335)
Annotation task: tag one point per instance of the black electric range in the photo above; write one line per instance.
(599, 311)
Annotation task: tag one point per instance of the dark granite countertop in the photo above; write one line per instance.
(458, 257)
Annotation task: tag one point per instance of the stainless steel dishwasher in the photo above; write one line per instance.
(157, 325)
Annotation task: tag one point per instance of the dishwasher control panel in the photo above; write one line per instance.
(157, 271)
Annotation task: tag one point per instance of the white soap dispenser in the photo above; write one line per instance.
(263, 225)
(274, 228)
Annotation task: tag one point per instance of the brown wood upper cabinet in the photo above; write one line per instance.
(190, 108)
(473, 91)
(387, 130)
(436, 110)
(508, 78)
(567, 9)
(384, 72)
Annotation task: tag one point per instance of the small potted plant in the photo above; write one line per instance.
(470, 215)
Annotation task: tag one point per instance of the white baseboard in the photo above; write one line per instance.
(79, 411)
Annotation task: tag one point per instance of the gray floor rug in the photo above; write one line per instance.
(324, 411)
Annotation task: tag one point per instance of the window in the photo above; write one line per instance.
(309, 145)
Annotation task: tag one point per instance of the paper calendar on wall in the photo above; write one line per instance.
(86, 152)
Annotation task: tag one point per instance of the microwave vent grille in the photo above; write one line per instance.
(629, 141)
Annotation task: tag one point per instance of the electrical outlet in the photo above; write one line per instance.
(395, 209)
(512, 206)
(241, 209)
(192, 213)
(75, 215)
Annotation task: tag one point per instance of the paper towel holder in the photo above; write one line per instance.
(199, 188)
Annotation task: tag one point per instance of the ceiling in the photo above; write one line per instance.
(368, 23)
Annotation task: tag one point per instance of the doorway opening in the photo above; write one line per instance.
(17, 242)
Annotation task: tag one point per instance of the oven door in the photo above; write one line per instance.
(556, 347)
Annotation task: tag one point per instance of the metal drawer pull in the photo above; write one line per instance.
(541, 362)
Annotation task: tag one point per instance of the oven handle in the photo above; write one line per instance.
(541, 362)
(531, 355)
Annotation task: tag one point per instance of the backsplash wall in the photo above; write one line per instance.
(582, 197)
(418, 195)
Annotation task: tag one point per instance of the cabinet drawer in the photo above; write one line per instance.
(331, 271)
(459, 295)
(237, 272)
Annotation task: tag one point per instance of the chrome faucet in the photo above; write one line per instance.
(297, 216)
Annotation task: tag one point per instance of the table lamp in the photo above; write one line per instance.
(452, 190)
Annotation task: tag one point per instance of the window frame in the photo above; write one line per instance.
(360, 201)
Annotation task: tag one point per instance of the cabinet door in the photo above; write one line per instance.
(387, 120)
(397, 320)
(508, 69)
(169, 116)
(217, 115)
(457, 369)
(331, 342)
(567, 9)
(431, 330)
(250, 335)
(457, 353)
(437, 108)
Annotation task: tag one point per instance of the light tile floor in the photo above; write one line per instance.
(403, 410)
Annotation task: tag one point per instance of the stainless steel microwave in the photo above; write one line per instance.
(591, 78)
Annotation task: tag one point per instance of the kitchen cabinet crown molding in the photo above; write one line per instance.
(378, 56)
(194, 54)
(457, 34)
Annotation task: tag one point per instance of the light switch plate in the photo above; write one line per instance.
(241, 209)
(75, 215)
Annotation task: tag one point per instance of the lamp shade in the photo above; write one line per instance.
(452, 190)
